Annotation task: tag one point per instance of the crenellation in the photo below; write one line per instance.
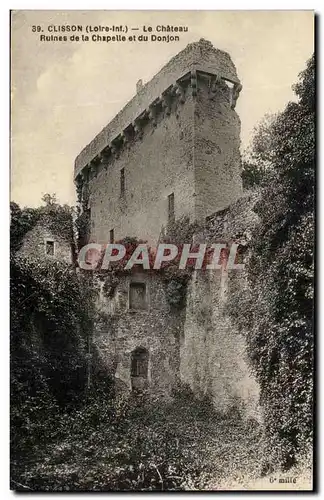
(153, 111)
(199, 56)
(214, 81)
(92, 169)
(129, 133)
(114, 149)
(122, 138)
(180, 92)
(106, 156)
(195, 108)
(166, 102)
(235, 94)
(138, 128)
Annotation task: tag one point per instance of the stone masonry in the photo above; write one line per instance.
(122, 329)
(47, 241)
(179, 136)
(172, 152)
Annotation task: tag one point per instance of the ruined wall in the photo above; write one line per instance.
(213, 353)
(182, 138)
(121, 330)
(199, 344)
(33, 244)
(217, 156)
(158, 164)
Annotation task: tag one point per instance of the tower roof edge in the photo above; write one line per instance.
(200, 56)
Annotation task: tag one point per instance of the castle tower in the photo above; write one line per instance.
(172, 151)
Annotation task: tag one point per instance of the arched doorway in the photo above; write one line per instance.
(139, 368)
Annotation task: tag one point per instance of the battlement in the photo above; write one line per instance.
(172, 151)
(199, 60)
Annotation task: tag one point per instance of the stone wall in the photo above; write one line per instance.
(217, 160)
(199, 345)
(185, 141)
(213, 353)
(155, 166)
(121, 330)
(196, 56)
(33, 244)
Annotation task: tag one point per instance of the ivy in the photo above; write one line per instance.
(57, 218)
(175, 279)
(275, 310)
(83, 226)
(176, 292)
(52, 313)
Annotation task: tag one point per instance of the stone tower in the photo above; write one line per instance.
(172, 151)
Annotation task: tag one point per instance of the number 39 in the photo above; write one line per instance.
(36, 28)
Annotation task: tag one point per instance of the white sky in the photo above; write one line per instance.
(63, 94)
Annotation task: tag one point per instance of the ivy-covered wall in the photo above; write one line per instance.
(121, 329)
(214, 359)
(52, 225)
(213, 354)
(187, 327)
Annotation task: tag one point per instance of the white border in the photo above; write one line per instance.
(4, 197)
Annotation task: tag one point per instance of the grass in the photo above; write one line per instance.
(136, 445)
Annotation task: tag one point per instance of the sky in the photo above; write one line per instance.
(63, 94)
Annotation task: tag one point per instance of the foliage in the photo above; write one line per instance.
(176, 291)
(175, 279)
(21, 221)
(276, 309)
(82, 223)
(49, 199)
(51, 319)
(110, 283)
(180, 231)
(252, 175)
(134, 443)
(258, 157)
(57, 218)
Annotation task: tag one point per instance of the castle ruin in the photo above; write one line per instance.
(172, 151)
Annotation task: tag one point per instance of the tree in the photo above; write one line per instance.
(49, 199)
(21, 221)
(52, 314)
(51, 321)
(58, 218)
(257, 158)
(279, 304)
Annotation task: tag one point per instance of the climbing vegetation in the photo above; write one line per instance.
(275, 311)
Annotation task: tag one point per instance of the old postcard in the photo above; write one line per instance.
(162, 250)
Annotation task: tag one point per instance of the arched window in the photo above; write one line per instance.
(139, 362)
(139, 368)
